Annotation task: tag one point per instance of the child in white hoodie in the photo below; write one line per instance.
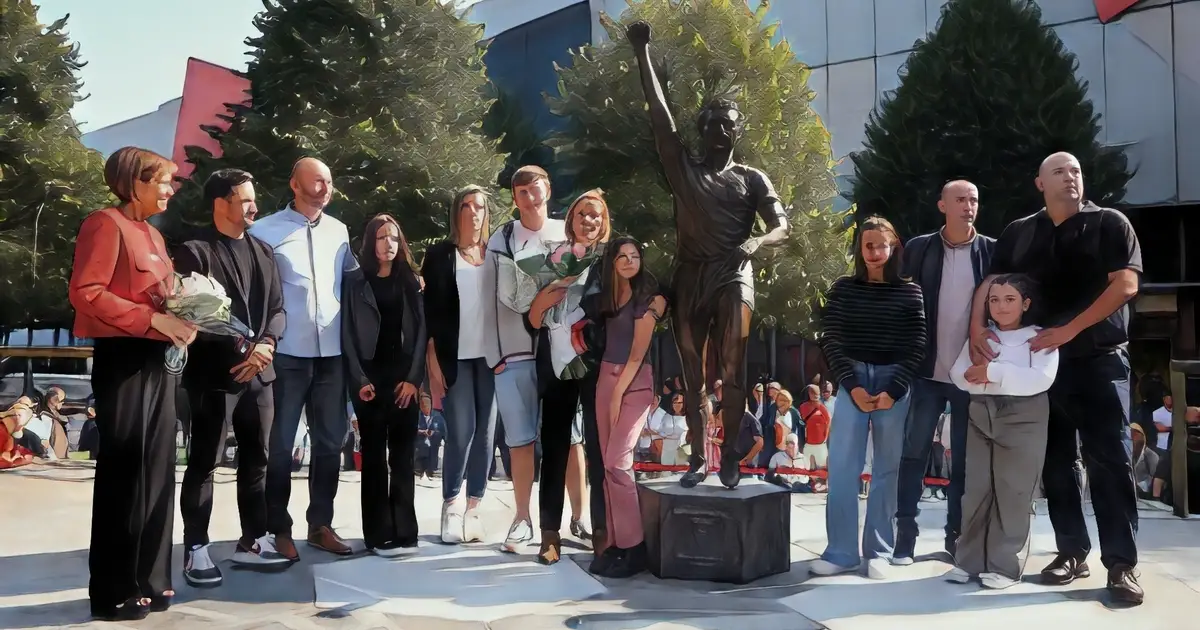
(1006, 439)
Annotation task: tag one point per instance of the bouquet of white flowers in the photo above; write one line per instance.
(202, 301)
(520, 279)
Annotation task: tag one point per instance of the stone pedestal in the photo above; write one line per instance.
(713, 533)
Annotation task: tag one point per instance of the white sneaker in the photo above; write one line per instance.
(519, 535)
(997, 581)
(901, 562)
(452, 523)
(262, 553)
(198, 568)
(821, 566)
(958, 576)
(876, 568)
(472, 525)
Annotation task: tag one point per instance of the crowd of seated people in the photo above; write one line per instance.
(43, 428)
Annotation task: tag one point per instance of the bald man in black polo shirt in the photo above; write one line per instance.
(1087, 260)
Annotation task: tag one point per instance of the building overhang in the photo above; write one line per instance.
(1109, 10)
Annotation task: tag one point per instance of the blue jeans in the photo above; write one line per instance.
(316, 386)
(470, 411)
(929, 400)
(847, 457)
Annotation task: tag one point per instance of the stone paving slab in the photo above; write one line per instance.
(43, 577)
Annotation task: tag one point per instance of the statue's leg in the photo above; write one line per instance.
(729, 334)
(690, 334)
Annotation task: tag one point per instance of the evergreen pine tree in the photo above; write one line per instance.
(388, 93)
(987, 97)
(48, 180)
(706, 49)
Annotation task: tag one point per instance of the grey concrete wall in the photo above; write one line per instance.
(1143, 74)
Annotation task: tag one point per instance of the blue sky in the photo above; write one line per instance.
(137, 50)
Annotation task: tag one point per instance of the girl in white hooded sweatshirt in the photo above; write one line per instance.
(1006, 439)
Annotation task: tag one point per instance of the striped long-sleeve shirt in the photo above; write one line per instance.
(876, 323)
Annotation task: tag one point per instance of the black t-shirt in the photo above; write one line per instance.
(1071, 262)
(748, 430)
(240, 259)
(389, 297)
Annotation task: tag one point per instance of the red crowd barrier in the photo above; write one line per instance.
(820, 474)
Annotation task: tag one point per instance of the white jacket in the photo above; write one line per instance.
(1016, 371)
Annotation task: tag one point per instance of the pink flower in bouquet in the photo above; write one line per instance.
(557, 256)
(579, 250)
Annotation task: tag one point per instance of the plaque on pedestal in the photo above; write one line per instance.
(713, 533)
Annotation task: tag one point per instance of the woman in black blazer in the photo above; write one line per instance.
(460, 294)
(383, 343)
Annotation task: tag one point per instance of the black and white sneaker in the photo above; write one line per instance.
(261, 554)
(198, 568)
(394, 550)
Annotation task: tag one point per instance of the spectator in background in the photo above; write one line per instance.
(38, 432)
(756, 400)
(1162, 425)
(788, 457)
(827, 398)
(787, 418)
(669, 428)
(766, 422)
(816, 419)
(749, 442)
(1162, 488)
(1145, 462)
(431, 426)
(12, 423)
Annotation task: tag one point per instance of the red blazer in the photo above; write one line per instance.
(121, 267)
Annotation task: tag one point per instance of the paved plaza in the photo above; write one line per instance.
(44, 573)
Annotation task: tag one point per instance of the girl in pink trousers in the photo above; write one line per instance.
(631, 306)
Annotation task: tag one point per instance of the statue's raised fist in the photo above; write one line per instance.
(638, 33)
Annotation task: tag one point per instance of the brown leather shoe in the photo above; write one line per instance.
(286, 546)
(325, 539)
(1123, 584)
(551, 549)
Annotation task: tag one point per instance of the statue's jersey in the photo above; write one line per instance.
(715, 211)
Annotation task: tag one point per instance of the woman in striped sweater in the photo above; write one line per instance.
(873, 335)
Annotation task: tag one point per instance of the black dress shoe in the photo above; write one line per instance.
(730, 472)
(602, 562)
(160, 603)
(1123, 584)
(1064, 570)
(629, 563)
(694, 476)
(132, 610)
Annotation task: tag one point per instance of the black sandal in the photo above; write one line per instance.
(131, 610)
(160, 603)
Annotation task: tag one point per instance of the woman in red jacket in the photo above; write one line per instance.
(120, 277)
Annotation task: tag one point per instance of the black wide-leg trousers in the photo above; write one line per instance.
(133, 496)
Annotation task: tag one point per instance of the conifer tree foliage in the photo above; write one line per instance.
(48, 180)
(705, 49)
(388, 93)
(989, 95)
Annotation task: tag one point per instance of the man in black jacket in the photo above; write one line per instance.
(228, 378)
(948, 264)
